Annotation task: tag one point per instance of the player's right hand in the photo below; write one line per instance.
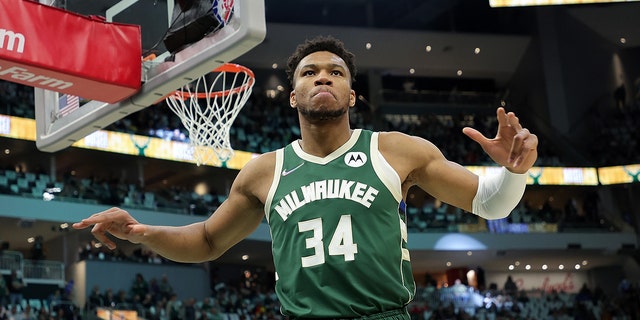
(116, 222)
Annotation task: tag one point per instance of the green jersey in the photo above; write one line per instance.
(339, 235)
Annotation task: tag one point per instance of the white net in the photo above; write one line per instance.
(208, 107)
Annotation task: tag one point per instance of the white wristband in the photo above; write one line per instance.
(498, 194)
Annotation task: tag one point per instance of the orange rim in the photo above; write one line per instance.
(227, 67)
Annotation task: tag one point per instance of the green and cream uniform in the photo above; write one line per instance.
(339, 235)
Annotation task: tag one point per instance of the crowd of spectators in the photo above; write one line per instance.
(423, 215)
(267, 122)
(155, 299)
(57, 306)
(465, 302)
(249, 297)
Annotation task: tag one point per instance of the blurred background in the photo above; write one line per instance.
(427, 68)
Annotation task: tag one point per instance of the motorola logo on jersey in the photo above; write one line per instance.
(355, 159)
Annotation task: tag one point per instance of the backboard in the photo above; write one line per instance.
(245, 29)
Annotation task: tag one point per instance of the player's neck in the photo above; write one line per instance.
(322, 140)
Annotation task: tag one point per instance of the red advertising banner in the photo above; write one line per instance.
(50, 48)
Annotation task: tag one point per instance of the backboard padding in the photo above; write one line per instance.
(245, 30)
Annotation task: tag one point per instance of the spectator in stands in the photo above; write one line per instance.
(108, 298)
(16, 285)
(4, 312)
(37, 250)
(154, 290)
(166, 290)
(620, 97)
(207, 305)
(122, 300)
(584, 294)
(173, 307)
(189, 309)
(12, 312)
(139, 287)
(68, 290)
(55, 299)
(510, 287)
(4, 291)
(95, 299)
(147, 303)
(26, 314)
(376, 169)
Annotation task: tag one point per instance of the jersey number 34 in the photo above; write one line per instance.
(341, 242)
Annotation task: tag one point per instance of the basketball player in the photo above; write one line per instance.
(334, 198)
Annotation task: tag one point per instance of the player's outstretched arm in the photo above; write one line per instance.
(234, 220)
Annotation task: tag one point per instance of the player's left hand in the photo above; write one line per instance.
(513, 147)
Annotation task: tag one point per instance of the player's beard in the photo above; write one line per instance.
(322, 115)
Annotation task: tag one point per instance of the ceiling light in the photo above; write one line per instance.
(561, 267)
(577, 266)
(428, 48)
(274, 66)
(544, 267)
(201, 189)
(469, 253)
(623, 40)
(368, 45)
(412, 70)
(459, 72)
(245, 257)
(476, 50)
(584, 262)
(511, 267)
(528, 267)
(7, 151)
(448, 263)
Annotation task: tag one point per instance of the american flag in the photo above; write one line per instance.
(66, 104)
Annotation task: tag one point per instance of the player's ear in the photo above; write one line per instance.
(352, 98)
(292, 99)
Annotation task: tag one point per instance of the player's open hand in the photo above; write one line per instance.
(513, 147)
(116, 222)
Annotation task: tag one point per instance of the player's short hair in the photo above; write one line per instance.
(321, 43)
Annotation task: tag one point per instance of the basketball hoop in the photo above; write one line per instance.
(208, 107)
